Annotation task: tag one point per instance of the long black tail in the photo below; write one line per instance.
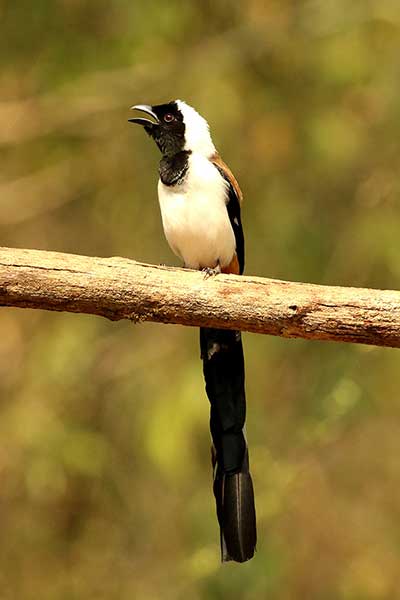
(223, 367)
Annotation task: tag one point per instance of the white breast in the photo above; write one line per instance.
(195, 218)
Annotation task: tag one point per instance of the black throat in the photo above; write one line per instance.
(173, 169)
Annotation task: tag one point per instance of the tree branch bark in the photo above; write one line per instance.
(118, 288)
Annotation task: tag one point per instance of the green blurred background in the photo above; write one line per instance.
(105, 479)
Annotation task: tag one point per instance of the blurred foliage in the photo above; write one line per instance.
(104, 456)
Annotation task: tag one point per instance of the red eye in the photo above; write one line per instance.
(168, 118)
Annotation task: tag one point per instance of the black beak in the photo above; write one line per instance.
(149, 111)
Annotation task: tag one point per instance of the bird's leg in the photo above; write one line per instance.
(212, 271)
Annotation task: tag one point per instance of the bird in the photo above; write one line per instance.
(200, 202)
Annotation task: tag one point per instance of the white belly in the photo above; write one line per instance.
(195, 218)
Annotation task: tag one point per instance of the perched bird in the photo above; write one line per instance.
(200, 204)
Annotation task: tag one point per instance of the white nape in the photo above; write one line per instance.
(197, 132)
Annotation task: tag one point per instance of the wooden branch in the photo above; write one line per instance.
(118, 288)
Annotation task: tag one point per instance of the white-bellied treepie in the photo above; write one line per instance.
(200, 206)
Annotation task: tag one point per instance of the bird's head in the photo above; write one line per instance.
(176, 126)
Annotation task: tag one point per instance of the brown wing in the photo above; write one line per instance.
(218, 162)
(233, 203)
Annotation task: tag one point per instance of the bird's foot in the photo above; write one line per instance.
(211, 271)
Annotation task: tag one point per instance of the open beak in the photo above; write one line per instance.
(149, 111)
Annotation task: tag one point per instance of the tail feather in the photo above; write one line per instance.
(223, 367)
(236, 514)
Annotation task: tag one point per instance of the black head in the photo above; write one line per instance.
(167, 126)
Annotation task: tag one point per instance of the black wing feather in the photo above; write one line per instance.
(233, 208)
